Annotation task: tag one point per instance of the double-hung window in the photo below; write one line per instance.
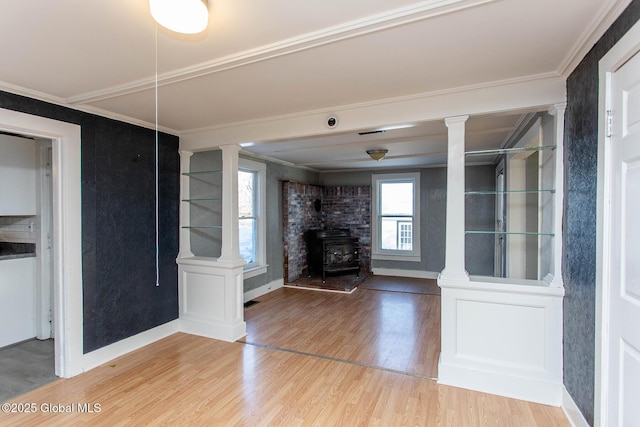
(251, 211)
(396, 216)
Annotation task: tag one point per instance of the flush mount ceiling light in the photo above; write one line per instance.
(377, 154)
(181, 16)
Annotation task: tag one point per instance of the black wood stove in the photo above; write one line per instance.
(332, 251)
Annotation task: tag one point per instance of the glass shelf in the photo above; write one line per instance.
(201, 172)
(204, 199)
(521, 233)
(493, 192)
(209, 227)
(509, 150)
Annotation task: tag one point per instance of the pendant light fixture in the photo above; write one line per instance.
(181, 16)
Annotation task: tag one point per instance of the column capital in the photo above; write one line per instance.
(557, 109)
(230, 148)
(455, 119)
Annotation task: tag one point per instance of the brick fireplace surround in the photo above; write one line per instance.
(340, 207)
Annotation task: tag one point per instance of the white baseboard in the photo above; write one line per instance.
(105, 354)
(264, 289)
(416, 274)
(571, 410)
(216, 330)
(521, 387)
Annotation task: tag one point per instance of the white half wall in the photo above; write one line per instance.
(502, 338)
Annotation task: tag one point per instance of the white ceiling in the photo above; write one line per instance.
(270, 58)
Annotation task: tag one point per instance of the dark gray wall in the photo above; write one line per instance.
(480, 214)
(579, 244)
(120, 298)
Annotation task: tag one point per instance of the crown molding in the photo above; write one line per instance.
(371, 24)
(51, 99)
(607, 15)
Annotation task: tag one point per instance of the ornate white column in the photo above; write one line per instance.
(185, 208)
(557, 110)
(230, 251)
(454, 268)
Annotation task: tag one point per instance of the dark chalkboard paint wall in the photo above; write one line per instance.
(579, 257)
(118, 223)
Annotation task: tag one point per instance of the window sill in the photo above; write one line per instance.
(254, 271)
(390, 257)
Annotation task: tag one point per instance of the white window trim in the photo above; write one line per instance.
(396, 255)
(260, 266)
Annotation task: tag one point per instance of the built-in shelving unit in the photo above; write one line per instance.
(495, 193)
(501, 327)
(500, 151)
(199, 200)
(210, 286)
(522, 233)
(526, 206)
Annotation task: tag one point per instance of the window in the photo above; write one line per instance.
(251, 211)
(396, 213)
(405, 235)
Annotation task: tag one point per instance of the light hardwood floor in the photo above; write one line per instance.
(190, 380)
(391, 330)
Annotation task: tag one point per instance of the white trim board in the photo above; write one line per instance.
(106, 354)
(572, 411)
(263, 290)
(416, 274)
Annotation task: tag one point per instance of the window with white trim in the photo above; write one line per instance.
(251, 211)
(396, 216)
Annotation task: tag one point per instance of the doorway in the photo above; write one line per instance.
(66, 214)
(27, 356)
(44, 246)
(618, 236)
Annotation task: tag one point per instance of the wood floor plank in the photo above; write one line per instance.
(392, 330)
(191, 380)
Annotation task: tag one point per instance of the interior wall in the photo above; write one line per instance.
(120, 298)
(579, 239)
(276, 173)
(349, 206)
(480, 215)
(299, 215)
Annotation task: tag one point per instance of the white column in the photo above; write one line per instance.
(185, 208)
(230, 252)
(556, 261)
(454, 268)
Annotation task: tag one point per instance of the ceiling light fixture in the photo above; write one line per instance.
(181, 16)
(377, 154)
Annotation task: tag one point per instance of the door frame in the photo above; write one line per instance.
(44, 275)
(619, 54)
(67, 260)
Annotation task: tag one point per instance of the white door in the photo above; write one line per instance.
(624, 261)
